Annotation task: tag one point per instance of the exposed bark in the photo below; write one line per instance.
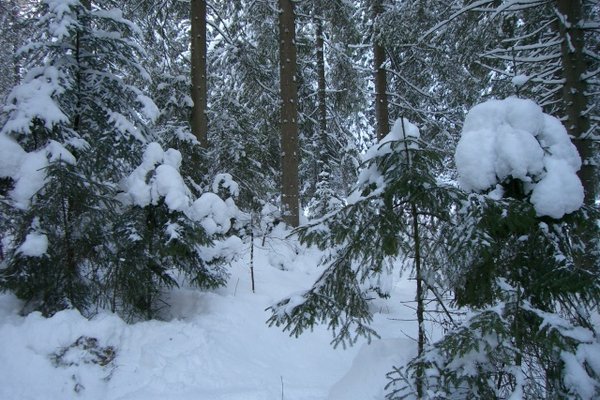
(381, 100)
(574, 98)
(199, 120)
(289, 113)
(322, 104)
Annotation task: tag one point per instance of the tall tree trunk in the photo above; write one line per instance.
(574, 98)
(381, 100)
(289, 113)
(322, 102)
(199, 120)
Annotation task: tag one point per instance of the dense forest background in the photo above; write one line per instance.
(144, 142)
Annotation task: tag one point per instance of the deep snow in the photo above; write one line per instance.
(211, 345)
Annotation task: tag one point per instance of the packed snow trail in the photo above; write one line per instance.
(212, 345)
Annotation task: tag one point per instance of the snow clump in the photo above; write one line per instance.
(402, 131)
(158, 178)
(514, 138)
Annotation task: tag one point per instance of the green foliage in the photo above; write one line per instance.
(532, 287)
(367, 234)
(155, 247)
(71, 211)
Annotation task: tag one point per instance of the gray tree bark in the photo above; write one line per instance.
(199, 120)
(574, 97)
(381, 100)
(322, 96)
(289, 113)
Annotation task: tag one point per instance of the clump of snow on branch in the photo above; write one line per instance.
(514, 138)
(158, 178)
(34, 99)
(28, 170)
(35, 245)
(402, 131)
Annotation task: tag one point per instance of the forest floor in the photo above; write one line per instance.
(211, 345)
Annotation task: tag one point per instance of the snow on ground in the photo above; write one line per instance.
(211, 345)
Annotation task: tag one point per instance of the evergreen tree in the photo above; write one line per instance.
(398, 207)
(72, 130)
(522, 275)
(164, 234)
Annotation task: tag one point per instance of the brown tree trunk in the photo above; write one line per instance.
(289, 113)
(381, 100)
(322, 98)
(574, 98)
(199, 120)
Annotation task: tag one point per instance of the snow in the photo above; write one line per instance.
(402, 130)
(126, 127)
(35, 245)
(28, 169)
(371, 365)
(11, 154)
(519, 80)
(29, 179)
(62, 21)
(149, 109)
(213, 213)
(576, 377)
(34, 99)
(210, 345)
(226, 181)
(157, 177)
(513, 138)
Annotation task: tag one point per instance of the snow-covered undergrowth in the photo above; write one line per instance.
(211, 345)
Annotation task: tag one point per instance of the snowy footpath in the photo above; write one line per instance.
(211, 345)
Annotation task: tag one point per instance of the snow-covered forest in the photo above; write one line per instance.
(299, 199)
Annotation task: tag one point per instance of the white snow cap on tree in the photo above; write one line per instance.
(158, 178)
(403, 129)
(515, 138)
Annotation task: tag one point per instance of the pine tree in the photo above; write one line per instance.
(521, 275)
(73, 128)
(164, 236)
(398, 207)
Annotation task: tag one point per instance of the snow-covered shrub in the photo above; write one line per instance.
(163, 232)
(521, 265)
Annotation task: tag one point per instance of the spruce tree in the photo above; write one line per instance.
(522, 276)
(398, 208)
(74, 126)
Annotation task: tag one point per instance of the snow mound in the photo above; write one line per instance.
(366, 379)
(513, 138)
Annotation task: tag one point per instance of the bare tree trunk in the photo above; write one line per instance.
(574, 67)
(199, 120)
(322, 102)
(381, 100)
(289, 113)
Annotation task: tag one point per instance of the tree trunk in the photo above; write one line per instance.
(322, 104)
(289, 113)
(199, 119)
(574, 98)
(381, 100)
